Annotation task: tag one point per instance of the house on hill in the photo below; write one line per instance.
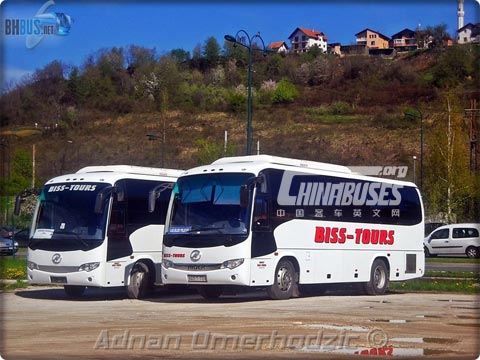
(279, 47)
(372, 39)
(302, 39)
(468, 34)
(404, 40)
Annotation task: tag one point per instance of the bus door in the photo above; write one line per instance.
(263, 242)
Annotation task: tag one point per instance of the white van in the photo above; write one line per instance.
(455, 239)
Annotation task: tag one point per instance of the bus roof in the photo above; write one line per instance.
(112, 173)
(283, 161)
(129, 169)
(256, 163)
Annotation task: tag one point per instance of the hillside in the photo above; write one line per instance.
(348, 111)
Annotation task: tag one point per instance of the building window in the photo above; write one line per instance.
(296, 38)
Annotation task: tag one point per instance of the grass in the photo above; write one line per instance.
(13, 269)
(452, 274)
(466, 286)
(452, 260)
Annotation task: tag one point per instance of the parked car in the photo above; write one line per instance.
(455, 239)
(8, 246)
(22, 237)
(6, 231)
(429, 227)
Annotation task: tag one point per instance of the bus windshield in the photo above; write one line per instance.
(206, 211)
(66, 218)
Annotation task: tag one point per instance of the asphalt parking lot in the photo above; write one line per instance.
(40, 323)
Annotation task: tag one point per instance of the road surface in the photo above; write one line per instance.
(42, 323)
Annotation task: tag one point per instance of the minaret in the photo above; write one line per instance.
(460, 14)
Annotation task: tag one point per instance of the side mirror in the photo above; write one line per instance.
(120, 196)
(102, 198)
(244, 196)
(152, 198)
(154, 194)
(245, 190)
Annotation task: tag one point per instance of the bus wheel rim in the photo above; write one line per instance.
(284, 279)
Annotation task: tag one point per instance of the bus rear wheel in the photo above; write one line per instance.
(378, 283)
(285, 283)
(139, 285)
(74, 290)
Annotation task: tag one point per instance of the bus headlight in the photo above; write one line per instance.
(32, 266)
(231, 264)
(167, 264)
(89, 266)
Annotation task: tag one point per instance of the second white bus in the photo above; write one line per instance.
(98, 228)
(288, 224)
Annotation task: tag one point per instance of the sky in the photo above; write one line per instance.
(166, 25)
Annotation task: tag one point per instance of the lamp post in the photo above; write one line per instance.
(247, 42)
(414, 169)
(153, 137)
(419, 116)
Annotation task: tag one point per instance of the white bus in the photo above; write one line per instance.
(93, 228)
(288, 224)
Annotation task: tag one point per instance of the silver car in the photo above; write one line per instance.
(455, 239)
(8, 246)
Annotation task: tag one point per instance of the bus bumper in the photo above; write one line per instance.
(83, 278)
(237, 276)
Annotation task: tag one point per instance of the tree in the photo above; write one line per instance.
(138, 57)
(180, 55)
(211, 51)
(449, 184)
(21, 173)
(209, 151)
(454, 66)
(437, 35)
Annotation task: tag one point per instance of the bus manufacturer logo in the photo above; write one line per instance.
(56, 258)
(195, 255)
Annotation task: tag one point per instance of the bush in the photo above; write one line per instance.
(237, 99)
(285, 92)
(340, 108)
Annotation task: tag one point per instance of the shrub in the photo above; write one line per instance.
(285, 92)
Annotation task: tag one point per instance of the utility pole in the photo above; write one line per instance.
(472, 116)
(33, 166)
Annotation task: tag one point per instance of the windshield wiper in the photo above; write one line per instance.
(205, 228)
(75, 236)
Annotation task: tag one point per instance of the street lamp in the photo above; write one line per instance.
(153, 137)
(414, 116)
(247, 43)
(414, 169)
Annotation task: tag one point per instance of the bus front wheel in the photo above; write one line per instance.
(74, 290)
(378, 283)
(285, 283)
(139, 285)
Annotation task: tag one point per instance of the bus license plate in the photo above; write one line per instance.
(197, 278)
(58, 279)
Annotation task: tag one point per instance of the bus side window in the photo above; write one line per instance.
(117, 223)
(260, 214)
(118, 242)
